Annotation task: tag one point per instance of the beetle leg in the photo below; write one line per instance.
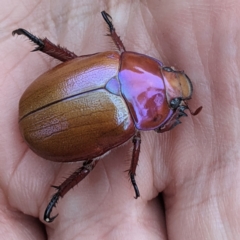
(46, 46)
(116, 39)
(69, 183)
(135, 156)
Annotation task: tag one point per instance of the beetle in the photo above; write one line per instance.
(90, 104)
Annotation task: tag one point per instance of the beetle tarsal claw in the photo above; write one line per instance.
(134, 186)
(50, 219)
(50, 207)
(18, 31)
(107, 18)
(30, 36)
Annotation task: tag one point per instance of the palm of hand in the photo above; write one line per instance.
(195, 165)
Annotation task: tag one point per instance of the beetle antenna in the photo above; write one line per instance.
(196, 112)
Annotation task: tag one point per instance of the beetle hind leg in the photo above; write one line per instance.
(134, 162)
(69, 183)
(116, 39)
(46, 46)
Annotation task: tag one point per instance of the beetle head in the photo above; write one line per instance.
(178, 90)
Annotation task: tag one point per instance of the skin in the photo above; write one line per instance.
(196, 166)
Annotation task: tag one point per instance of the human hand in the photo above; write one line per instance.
(195, 165)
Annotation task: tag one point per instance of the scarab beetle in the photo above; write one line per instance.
(89, 104)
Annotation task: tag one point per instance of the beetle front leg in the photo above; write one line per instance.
(69, 183)
(47, 46)
(116, 39)
(135, 156)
